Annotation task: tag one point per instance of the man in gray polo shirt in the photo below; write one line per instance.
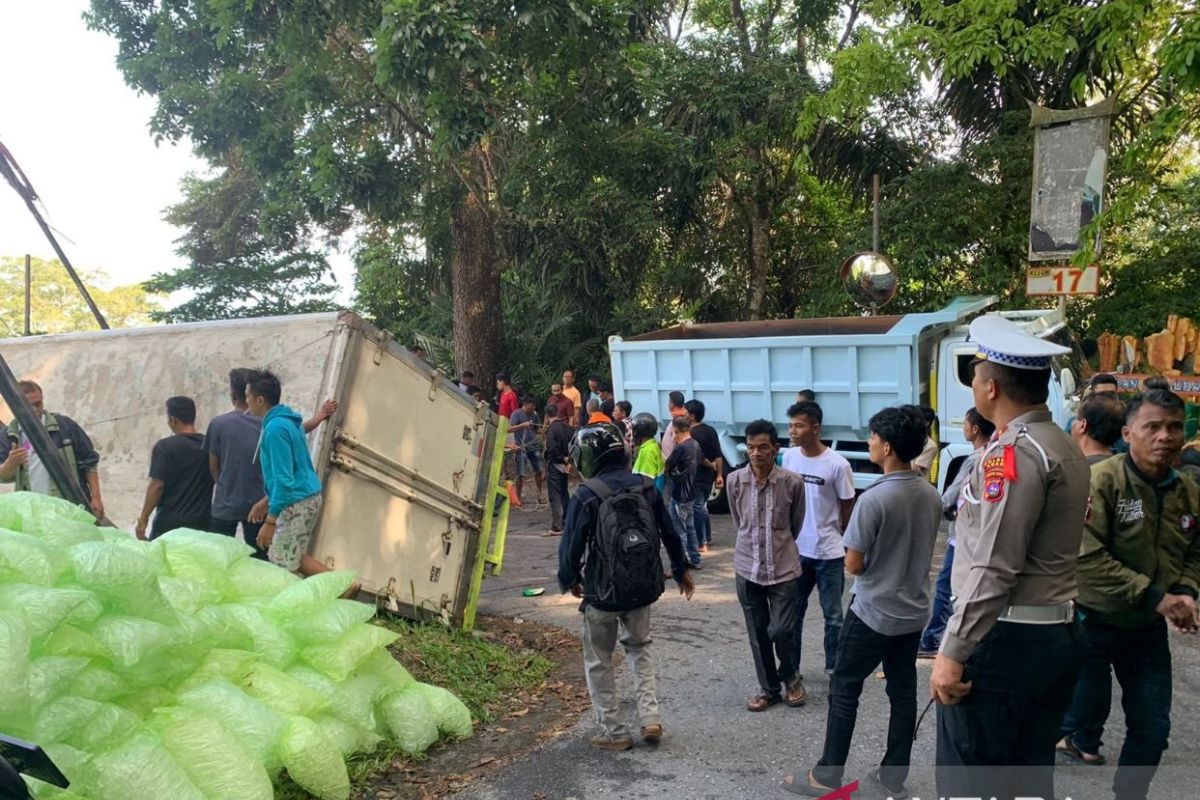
(889, 545)
(232, 438)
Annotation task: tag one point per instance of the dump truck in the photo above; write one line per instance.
(409, 464)
(743, 371)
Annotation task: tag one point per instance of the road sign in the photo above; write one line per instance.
(1042, 281)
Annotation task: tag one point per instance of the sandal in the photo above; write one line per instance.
(797, 695)
(1069, 749)
(806, 785)
(761, 702)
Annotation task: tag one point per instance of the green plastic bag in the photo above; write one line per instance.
(283, 693)
(219, 663)
(142, 761)
(211, 757)
(452, 715)
(214, 550)
(410, 720)
(14, 663)
(252, 578)
(49, 676)
(67, 640)
(273, 644)
(29, 511)
(106, 565)
(65, 534)
(188, 595)
(330, 622)
(98, 683)
(145, 702)
(258, 729)
(109, 724)
(313, 761)
(44, 607)
(338, 659)
(383, 664)
(303, 598)
(131, 639)
(60, 716)
(26, 559)
(349, 739)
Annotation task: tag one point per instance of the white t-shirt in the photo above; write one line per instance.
(39, 476)
(828, 479)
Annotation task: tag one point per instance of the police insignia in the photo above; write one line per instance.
(993, 479)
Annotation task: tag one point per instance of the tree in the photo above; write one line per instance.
(56, 305)
(247, 256)
(398, 113)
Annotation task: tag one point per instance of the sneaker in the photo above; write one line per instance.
(893, 792)
(613, 743)
(652, 734)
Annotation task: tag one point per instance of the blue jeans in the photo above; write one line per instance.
(683, 515)
(700, 512)
(931, 638)
(1141, 658)
(828, 575)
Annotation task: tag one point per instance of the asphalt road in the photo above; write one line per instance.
(713, 747)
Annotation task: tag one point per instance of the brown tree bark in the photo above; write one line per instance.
(758, 215)
(475, 281)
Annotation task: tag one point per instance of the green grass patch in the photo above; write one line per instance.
(489, 677)
(484, 675)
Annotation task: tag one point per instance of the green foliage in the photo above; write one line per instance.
(1154, 268)
(248, 255)
(57, 306)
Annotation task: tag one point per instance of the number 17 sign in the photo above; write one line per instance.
(1041, 281)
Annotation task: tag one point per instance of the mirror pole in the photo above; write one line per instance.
(875, 212)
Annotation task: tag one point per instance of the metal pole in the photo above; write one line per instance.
(875, 212)
(16, 178)
(28, 292)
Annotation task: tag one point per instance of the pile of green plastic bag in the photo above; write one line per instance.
(183, 669)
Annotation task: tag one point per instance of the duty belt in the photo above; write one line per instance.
(1039, 615)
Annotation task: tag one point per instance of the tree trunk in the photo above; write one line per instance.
(475, 280)
(760, 254)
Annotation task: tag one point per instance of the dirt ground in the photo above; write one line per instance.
(524, 723)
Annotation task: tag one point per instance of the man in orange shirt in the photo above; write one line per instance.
(595, 415)
(571, 393)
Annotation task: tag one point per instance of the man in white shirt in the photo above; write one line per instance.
(829, 495)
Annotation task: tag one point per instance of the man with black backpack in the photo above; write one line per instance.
(618, 520)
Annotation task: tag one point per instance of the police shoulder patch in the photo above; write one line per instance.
(993, 478)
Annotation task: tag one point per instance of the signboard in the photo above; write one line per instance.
(1070, 159)
(1042, 281)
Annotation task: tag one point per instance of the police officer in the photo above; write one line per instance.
(1004, 675)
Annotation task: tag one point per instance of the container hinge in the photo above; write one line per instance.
(385, 338)
(447, 539)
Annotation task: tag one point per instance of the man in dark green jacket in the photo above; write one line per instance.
(1139, 570)
(22, 466)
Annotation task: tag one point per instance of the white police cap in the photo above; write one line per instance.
(1003, 342)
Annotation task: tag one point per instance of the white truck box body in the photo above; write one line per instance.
(404, 463)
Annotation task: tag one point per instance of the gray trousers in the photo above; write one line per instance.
(600, 629)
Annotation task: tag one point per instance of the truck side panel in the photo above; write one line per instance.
(115, 383)
(740, 380)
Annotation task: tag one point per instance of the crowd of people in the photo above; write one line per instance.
(250, 470)
(1059, 546)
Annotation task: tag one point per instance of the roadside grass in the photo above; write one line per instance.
(485, 675)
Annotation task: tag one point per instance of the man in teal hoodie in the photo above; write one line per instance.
(293, 488)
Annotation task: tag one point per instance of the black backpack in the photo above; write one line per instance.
(628, 569)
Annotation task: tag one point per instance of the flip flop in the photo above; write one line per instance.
(803, 786)
(1068, 749)
(549, 534)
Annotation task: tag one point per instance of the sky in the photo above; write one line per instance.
(82, 137)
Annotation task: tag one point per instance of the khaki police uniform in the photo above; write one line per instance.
(1020, 522)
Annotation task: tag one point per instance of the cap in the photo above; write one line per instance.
(1003, 342)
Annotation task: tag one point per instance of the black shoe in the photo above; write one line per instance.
(695, 566)
(893, 792)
